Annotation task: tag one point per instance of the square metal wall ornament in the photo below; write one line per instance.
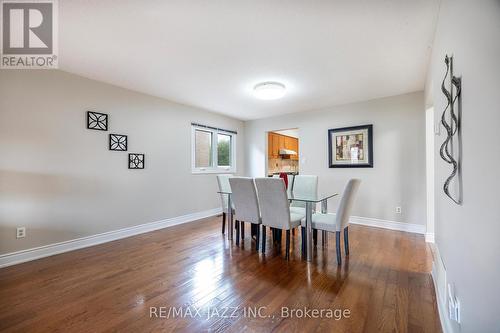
(118, 142)
(97, 121)
(135, 161)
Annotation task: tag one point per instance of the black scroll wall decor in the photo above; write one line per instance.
(450, 119)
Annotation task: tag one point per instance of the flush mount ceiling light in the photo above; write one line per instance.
(269, 90)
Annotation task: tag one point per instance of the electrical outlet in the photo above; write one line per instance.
(21, 232)
(398, 210)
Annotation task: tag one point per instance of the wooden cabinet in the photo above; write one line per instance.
(275, 142)
(292, 144)
(273, 145)
(270, 145)
(281, 142)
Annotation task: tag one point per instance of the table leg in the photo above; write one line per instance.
(309, 242)
(230, 218)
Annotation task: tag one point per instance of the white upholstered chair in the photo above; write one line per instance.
(246, 204)
(305, 185)
(275, 209)
(224, 186)
(340, 221)
(291, 179)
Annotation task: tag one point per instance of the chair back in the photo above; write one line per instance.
(290, 183)
(224, 186)
(291, 180)
(245, 200)
(346, 202)
(273, 201)
(304, 185)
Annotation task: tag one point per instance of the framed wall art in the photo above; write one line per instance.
(350, 147)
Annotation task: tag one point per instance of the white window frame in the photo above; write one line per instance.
(214, 168)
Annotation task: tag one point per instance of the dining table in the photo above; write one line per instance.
(310, 202)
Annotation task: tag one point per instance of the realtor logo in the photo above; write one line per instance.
(29, 34)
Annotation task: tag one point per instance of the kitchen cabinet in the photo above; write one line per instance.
(270, 145)
(281, 142)
(275, 142)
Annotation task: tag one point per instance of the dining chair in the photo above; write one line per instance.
(304, 185)
(340, 221)
(290, 180)
(246, 204)
(275, 209)
(224, 186)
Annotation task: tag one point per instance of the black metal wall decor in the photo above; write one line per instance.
(451, 122)
(97, 121)
(118, 142)
(135, 161)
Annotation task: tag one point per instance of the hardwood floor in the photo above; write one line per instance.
(385, 284)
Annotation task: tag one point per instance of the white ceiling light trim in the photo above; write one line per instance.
(269, 90)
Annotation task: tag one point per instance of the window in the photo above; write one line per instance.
(213, 150)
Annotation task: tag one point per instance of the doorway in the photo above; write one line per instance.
(283, 151)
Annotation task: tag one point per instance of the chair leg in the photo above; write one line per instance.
(257, 234)
(337, 246)
(264, 239)
(324, 238)
(237, 226)
(303, 240)
(346, 240)
(287, 247)
(253, 230)
(280, 236)
(223, 222)
(315, 236)
(242, 230)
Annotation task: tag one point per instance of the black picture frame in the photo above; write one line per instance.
(136, 161)
(118, 142)
(331, 149)
(97, 121)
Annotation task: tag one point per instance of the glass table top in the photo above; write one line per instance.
(303, 198)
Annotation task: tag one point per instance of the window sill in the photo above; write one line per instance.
(212, 171)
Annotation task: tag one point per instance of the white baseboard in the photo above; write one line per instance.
(74, 244)
(429, 237)
(385, 224)
(439, 278)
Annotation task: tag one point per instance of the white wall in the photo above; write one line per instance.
(468, 235)
(59, 179)
(398, 175)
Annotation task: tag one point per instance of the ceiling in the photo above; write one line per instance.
(210, 54)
